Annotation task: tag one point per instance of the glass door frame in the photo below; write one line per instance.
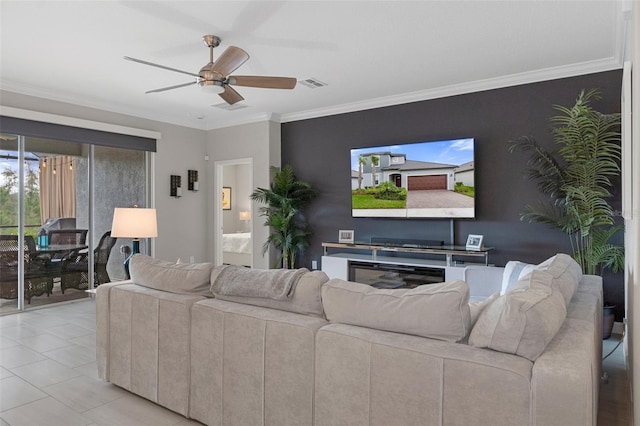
(91, 240)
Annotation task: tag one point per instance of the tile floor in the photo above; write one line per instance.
(48, 376)
(10, 306)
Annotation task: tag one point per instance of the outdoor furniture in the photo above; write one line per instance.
(37, 277)
(75, 266)
(67, 236)
(59, 238)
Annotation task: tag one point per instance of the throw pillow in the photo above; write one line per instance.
(305, 300)
(513, 271)
(523, 321)
(437, 311)
(566, 273)
(475, 308)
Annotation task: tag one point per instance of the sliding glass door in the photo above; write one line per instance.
(9, 221)
(57, 200)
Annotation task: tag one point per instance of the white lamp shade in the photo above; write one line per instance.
(134, 223)
(245, 215)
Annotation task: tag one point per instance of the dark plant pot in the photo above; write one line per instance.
(608, 318)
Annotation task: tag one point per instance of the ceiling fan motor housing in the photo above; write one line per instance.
(214, 76)
(209, 77)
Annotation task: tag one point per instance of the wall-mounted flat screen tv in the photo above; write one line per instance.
(415, 180)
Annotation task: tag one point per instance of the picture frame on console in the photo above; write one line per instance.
(474, 242)
(346, 236)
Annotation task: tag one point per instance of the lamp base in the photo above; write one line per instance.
(135, 249)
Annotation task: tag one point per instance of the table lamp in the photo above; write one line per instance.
(134, 223)
(246, 217)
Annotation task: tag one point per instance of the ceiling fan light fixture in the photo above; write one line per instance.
(211, 86)
(215, 77)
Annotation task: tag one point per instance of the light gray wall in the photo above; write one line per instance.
(181, 222)
(260, 142)
(182, 226)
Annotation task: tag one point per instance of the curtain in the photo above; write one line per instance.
(57, 187)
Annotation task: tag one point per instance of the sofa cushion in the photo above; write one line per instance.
(523, 321)
(305, 300)
(181, 278)
(437, 311)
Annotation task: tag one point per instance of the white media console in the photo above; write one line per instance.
(364, 263)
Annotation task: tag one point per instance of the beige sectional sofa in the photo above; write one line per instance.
(203, 342)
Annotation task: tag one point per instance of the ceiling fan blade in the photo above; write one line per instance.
(230, 60)
(230, 96)
(177, 86)
(265, 82)
(140, 61)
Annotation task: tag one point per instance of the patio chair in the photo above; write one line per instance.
(37, 279)
(75, 267)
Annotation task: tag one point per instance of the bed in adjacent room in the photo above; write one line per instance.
(236, 248)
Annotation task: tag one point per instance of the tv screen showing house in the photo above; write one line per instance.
(415, 180)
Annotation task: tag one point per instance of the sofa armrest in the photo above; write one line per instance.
(102, 326)
(564, 378)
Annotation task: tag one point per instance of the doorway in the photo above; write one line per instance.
(234, 212)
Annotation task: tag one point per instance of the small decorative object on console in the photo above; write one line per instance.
(345, 236)
(474, 242)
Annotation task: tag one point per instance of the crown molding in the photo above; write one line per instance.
(423, 95)
(461, 89)
(123, 109)
(40, 92)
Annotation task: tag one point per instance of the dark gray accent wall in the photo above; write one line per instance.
(318, 149)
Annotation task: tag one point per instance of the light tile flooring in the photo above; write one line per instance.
(48, 376)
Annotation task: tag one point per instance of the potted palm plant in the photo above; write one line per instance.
(284, 199)
(576, 177)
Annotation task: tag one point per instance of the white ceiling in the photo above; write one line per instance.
(370, 53)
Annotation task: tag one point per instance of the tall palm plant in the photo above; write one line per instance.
(576, 177)
(284, 200)
(362, 161)
(375, 160)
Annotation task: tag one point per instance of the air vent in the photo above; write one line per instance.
(228, 107)
(312, 83)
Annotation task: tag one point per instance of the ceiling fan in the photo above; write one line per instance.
(216, 74)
